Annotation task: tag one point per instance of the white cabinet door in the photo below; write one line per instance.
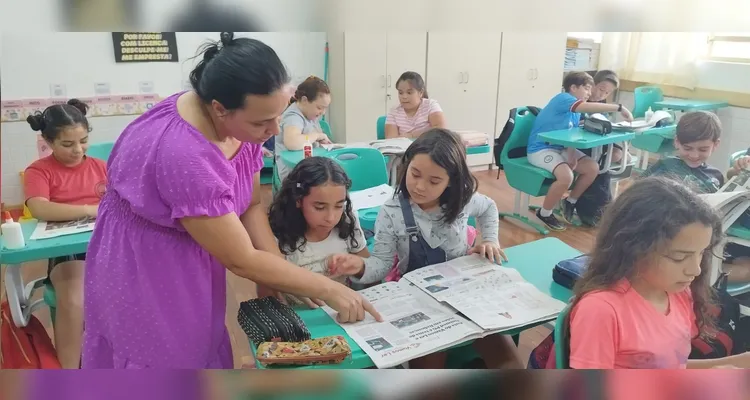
(462, 76)
(365, 70)
(548, 64)
(445, 75)
(406, 51)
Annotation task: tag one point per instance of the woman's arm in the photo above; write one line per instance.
(45, 210)
(295, 140)
(255, 221)
(391, 131)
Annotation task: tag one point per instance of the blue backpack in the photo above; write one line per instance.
(567, 272)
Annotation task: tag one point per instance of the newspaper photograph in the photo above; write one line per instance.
(413, 325)
(491, 296)
(48, 230)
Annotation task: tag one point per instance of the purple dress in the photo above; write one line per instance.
(153, 297)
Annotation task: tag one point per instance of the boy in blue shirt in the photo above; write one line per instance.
(564, 112)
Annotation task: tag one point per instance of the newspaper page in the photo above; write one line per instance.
(48, 230)
(372, 197)
(413, 325)
(491, 296)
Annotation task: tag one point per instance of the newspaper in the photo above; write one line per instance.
(440, 306)
(493, 297)
(372, 197)
(48, 230)
(729, 204)
(413, 325)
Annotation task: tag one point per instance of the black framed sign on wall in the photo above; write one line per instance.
(145, 47)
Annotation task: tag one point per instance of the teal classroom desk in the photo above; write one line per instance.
(534, 260)
(578, 138)
(19, 293)
(691, 105)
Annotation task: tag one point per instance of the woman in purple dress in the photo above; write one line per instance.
(180, 210)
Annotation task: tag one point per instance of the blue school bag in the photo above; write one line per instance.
(567, 272)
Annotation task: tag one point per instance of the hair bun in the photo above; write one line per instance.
(81, 106)
(226, 38)
(36, 121)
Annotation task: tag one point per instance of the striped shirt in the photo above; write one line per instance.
(420, 120)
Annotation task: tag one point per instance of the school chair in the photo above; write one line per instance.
(326, 128)
(527, 179)
(645, 97)
(381, 127)
(100, 150)
(366, 167)
(562, 339)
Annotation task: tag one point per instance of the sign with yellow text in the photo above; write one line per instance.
(145, 46)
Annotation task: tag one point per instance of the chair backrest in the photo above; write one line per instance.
(645, 97)
(519, 136)
(735, 156)
(326, 128)
(381, 127)
(562, 340)
(366, 167)
(100, 150)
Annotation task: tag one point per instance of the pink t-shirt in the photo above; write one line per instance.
(617, 328)
(397, 116)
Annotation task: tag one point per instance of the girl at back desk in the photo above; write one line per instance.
(426, 223)
(312, 218)
(416, 113)
(65, 186)
(646, 292)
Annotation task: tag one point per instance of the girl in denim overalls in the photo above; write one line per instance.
(426, 223)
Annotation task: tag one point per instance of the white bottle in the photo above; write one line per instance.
(12, 233)
(649, 114)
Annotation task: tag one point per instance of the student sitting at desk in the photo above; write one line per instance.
(416, 112)
(697, 135)
(427, 224)
(605, 82)
(312, 219)
(564, 112)
(742, 162)
(65, 186)
(301, 120)
(646, 292)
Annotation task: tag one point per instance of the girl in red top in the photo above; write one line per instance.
(64, 186)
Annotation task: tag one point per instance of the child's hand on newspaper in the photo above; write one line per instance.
(345, 265)
(491, 251)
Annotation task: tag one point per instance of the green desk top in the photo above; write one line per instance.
(46, 248)
(534, 260)
(580, 139)
(691, 105)
(292, 157)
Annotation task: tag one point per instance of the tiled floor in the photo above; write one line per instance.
(240, 289)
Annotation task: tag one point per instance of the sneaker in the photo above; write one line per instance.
(550, 221)
(566, 210)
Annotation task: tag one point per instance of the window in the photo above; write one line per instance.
(729, 47)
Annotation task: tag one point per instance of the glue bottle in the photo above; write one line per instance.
(307, 148)
(649, 114)
(12, 233)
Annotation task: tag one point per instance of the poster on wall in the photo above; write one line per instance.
(145, 47)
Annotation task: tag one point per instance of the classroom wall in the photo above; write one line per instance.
(31, 61)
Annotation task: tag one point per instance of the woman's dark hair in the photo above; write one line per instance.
(639, 225)
(415, 80)
(607, 75)
(232, 69)
(287, 221)
(310, 88)
(59, 117)
(446, 150)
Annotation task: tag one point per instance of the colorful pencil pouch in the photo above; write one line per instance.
(325, 350)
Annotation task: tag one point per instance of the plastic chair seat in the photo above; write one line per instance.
(526, 178)
(653, 144)
(736, 289)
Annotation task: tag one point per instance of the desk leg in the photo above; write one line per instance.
(19, 295)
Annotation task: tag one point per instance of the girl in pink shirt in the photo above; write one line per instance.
(415, 113)
(65, 186)
(646, 292)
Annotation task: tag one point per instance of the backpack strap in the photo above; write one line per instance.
(411, 226)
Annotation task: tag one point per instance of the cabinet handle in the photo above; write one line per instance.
(389, 81)
(467, 77)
